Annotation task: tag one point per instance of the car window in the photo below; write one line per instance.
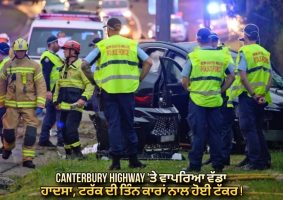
(83, 36)
(173, 72)
(180, 59)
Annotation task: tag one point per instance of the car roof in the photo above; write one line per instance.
(67, 24)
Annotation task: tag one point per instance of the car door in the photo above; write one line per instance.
(178, 95)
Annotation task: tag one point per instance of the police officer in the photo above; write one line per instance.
(118, 76)
(22, 92)
(203, 76)
(227, 109)
(72, 92)
(252, 86)
(51, 64)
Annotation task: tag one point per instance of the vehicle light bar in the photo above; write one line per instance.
(71, 17)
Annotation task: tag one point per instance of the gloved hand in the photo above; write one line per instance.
(38, 111)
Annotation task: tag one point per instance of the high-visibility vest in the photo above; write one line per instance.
(2, 63)
(117, 69)
(58, 63)
(228, 91)
(207, 75)
(258, 71)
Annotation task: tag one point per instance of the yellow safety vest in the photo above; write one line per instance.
(258, 71)
(117, 69)
(2, 63)
(58, 63)
(207, 75)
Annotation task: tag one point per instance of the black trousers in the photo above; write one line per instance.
(69, 124)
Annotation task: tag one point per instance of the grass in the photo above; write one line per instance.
(28, 187)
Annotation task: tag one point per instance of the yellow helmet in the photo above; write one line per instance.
(20, 45)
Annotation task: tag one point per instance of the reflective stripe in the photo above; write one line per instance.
(11, 103)
(206, 93)
(117, 77)
(68, 106)
(28, 153)
(40, 100)
(203, 78)
(24, 78)
(71, 83)
(2, 98)
(257, 69)
(12, 70)
(257, 84)
(67, 146)
(38, 76)
(3, 76)
(76, 144)
(113, 62)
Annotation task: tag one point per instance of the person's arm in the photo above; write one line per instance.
(47, 66)
(91, 58)
(40, 86)
(146, 65)
(186, 74)
(230, 77)
(3, 84)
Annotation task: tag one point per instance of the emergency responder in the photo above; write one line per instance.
(203, 75)
(227, 110)
(4, 57)
(118, 76)
(51, 64)
(72, 91)
(252, 87)
(23, 93)
(4, 38)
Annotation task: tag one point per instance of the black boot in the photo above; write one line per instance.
(135, 163)
(6, 154)
(28, 164)
(115, 163)
(77, 153)
(207, 162)
(68, 153)
(243, 162)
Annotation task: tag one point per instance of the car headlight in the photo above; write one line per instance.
(125, 30)
(127, 13)
(81, 1)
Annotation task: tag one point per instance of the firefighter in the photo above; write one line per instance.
(117, 74)
(4, 57)
(252, 88)
(227, 110)
(203, 76)
(22, 92)
(72, 92)
(51, 64)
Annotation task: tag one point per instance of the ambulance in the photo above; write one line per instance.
(82, 28)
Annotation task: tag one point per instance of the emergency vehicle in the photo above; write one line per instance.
(82, 28)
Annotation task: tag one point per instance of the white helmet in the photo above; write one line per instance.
(4, 38)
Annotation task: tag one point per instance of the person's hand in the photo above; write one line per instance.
(38, 111)
(49, 96)
(80, 103)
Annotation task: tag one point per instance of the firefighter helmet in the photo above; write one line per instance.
(20, 45)
(72, 44)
